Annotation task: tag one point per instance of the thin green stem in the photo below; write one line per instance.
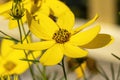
(26, 36)
(39, 68)
(44, 73)
(63, 67)
(112, 71)
(116, 56)
(9, 37)
(24, 30)
(118, 75)
(23, 27)
(20, 31)
(29, 66)
(103, 73)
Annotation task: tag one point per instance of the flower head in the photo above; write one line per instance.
(10, 62)
(61, 38)
(17, 11)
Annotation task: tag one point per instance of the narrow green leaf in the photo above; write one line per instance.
(116, 56)
(34, 61)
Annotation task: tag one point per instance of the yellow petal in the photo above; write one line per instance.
(5, 15)
(2, 70)
(21, 67)
(57, 7)
(100, 40)
(5, 47)
(5, 7)
(79, 71)
(35, 54)
(66, 20)
(35, 46)
(74, 51)
(12, 24)
(85, 25)
(45, 28)
(52, 56)
(85, 37)
(43, 9)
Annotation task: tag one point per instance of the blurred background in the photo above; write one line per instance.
(107, 9)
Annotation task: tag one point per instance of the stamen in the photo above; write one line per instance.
(9, 65)
(61, 36)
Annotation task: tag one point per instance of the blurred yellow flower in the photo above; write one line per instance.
(77, 65)
(8, 77)
(62, 39)
(10, 62)
(79, 71)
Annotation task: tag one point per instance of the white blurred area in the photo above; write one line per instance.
(106, 10)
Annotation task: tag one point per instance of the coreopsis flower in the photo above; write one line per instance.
(62, 39)
(79, 71)
(10, 62)
(80, 65)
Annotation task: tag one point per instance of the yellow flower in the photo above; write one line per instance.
(10, 62)
(52, 8)
(78, 70)
(77, 65)
(8, 77)
(59, 40)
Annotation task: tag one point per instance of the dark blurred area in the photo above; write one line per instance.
(118, 10)
(79, 7)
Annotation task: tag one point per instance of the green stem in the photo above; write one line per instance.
(23, 27)
(118, 74)
(10, 37)
(24, 30)
(20, 31)
(63, 67)
(112, 71)
(102, 72)
(26, 36)
(30, 67)
(44, 73)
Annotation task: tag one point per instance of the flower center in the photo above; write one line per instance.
(61, 36)
(9, 65)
